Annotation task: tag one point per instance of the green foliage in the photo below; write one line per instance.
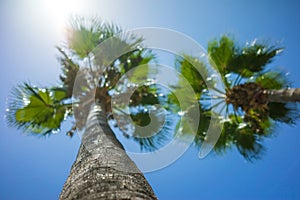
(85, 34)
(135, 58)
(245, 129)
(42, 110)
(252, 59)
(37, 110)
(69, 71)
(280, 112)
(141, 118)
(201, 124)
(272, 80)
(110, 59)
(221, 53)
(144, 95)
(284, 112)
(240, 134)
(227, 57)
(190, 67)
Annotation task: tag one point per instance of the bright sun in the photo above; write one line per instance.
(59, 11)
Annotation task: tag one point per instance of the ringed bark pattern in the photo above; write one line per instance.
(102, 169)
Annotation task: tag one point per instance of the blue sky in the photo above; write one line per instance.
(36, 168)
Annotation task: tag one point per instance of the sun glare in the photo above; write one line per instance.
(60, 11)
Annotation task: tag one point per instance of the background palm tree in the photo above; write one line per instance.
(256, 96)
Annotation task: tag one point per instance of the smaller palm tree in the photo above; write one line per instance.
(256, 97)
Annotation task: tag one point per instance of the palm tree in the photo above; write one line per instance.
(255, 97)
(102, 169)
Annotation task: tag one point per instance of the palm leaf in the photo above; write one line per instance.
(190, 67)
(237, 132)
(272, 80)
(221, 53)
(69, 71)
(227, 57)
(284, 112)
(85, 34)
(144, 95)
(37, 110)
(153, 137)
(253, 58)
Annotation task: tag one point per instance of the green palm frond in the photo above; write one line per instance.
(202, 124)
(104, 47)
(143, 113)
(85, 34)
(190, 67)
(221, 53)
(37, 110)
(248, 144)
(156, 136)
(284, 112)
(69, 71)
(228, 57)
(252, 58)
(236, 132)
(150, 127)
(144, 95)
(272, 80)
(129, 61)
(135, 58)
(258, 121)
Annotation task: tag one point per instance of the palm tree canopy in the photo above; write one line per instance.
(41, 110)
(243, 108)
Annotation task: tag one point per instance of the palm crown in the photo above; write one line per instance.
(244, 107)
(42, 110)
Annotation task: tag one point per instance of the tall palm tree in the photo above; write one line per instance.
(102, 169)
(255, 98)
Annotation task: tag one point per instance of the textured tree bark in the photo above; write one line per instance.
(102, 169)
(284, 95)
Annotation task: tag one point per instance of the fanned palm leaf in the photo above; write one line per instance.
(37, 110)
(69, 71)
(221, 53)
(252, 58)
(190, 67)
(284, 112)
(227, 57)
(85, 34)
(144, 95)
(272, 80)
(155, 137)
(135, 58)
(240, 134)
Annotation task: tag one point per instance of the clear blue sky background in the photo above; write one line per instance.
(36, 168)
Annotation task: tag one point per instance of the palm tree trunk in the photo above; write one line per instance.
(102, 169)
(284, 95)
